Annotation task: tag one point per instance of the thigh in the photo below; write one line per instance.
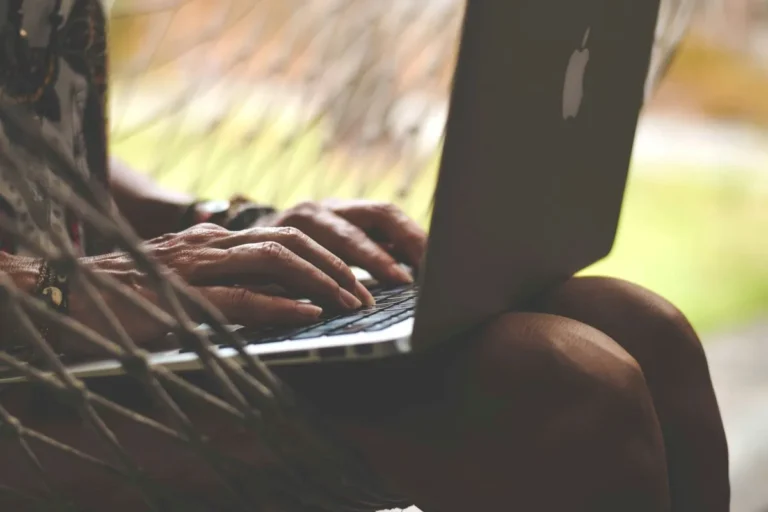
(532, 412)
(674, 364)
(662, 341)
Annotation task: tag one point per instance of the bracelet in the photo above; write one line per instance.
(53, 289)
(199, 212)
(235, 215)
(247, 216)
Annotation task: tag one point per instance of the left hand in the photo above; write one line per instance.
(368, 234)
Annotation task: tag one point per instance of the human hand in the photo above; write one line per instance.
(368, 234)
(238, 272)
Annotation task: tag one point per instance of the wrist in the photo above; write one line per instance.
(249, 215)
(236, 214)
(201, 212)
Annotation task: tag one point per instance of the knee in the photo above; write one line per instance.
(553, 367)
(571, 408)
(649, 327)
(549, 351)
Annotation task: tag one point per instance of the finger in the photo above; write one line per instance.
(356, 248)
(245, 307)
(400, 231)
(273, 263)
(306, 248)
(273, 290)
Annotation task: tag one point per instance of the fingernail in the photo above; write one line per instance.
(401, 274)
(362, 293)
(349, 300)
(309, 310)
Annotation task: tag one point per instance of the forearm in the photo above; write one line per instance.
(150, 209)
(153, 211)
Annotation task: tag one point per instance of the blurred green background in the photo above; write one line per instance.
(693, 230)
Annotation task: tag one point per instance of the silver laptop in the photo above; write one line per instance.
(543, 113)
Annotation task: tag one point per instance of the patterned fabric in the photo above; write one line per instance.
(53, 60)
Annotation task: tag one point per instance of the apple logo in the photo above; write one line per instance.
(573, 92)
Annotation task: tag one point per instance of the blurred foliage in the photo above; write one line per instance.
(717, 82)
(699, 242)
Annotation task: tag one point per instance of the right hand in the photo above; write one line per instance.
(237, 272)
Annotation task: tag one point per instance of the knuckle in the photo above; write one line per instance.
(203, 232)
(384, 208)
(233, 303)
(239, 297)
(342, 269)
(297, 218)
(273, 250)
(391, 208)
(163, 239)
(303, 210)
(291, 233)
(349, 233)
(208, 226)
(193, 263)
(308, 206)
(208, 229)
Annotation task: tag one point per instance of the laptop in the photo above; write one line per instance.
(542, 119)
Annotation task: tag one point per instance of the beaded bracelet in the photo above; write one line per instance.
(53, 289)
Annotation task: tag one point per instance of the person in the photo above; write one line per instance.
(597, 396)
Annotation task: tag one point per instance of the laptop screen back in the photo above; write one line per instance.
(542, 119)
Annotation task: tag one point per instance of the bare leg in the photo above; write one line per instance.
(659, 337)
(535, 412)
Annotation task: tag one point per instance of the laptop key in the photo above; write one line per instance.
(390, 322)
(364, 323)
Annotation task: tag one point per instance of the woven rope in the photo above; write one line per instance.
(358, 89)
(359, 81)
(325, 476)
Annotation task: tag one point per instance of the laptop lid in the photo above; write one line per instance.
(542, 119)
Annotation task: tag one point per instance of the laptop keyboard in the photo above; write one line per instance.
(393, 305)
